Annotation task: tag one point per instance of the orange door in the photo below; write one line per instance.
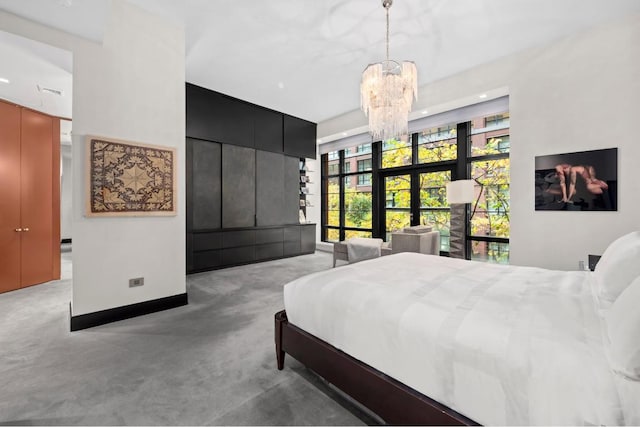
(9, 197)
(36, 198)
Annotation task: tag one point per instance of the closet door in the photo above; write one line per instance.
(270, 206)
(9, 197)
(37, 198)
(238, 186)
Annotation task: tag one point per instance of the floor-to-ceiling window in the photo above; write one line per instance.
(347, 197)
(489, 166)
(376, 189)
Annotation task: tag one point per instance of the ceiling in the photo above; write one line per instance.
(31, 68)
(305, 57)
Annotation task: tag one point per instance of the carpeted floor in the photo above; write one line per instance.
(211, 362)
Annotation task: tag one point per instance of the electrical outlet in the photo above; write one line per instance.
(138, 281)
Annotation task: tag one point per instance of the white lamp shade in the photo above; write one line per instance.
(461, 191)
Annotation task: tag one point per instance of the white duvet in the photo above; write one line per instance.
(499, 344)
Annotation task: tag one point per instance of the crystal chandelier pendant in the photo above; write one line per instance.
(387, 91)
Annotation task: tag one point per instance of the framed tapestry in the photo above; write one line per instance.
(582, 181)
(130, 179)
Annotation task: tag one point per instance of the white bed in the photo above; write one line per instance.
(499, 344)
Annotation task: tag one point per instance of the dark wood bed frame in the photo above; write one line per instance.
(391, 400)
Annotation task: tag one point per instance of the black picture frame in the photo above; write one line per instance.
(580, 181)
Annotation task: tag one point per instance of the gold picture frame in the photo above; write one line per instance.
(127, 178)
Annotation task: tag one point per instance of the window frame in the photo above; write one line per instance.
(461, 168)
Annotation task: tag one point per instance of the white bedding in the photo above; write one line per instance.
(499, 344)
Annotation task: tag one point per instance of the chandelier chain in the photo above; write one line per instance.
(387, 9)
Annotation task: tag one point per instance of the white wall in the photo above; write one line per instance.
(133, 88)
(66, 189)
(579, 93)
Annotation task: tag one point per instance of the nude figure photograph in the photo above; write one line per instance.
(584, 181)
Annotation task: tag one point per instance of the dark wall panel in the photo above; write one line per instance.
(238, 186)
(308, 238)
(291, 202)
(268, 130)
(269, 251)
(299, 137)
(207, 260)
(291, 248)
(240, 255)
(217, 117)
(269, 235)
(234, 239)
(291, 241)
(207, 241)
(243, 181)
(270, 188)
(206, 191)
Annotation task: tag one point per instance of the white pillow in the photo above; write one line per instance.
(619, 265)
(623, 328)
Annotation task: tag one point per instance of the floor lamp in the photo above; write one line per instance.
(459, 193)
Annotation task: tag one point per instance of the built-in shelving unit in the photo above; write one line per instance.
(245, 178)
(304, 191)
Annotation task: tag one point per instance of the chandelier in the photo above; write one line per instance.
(386, 93)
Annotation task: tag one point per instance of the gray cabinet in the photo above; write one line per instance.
(270, 188)
(299, 137)
(216, 117)
(243, 181)
(206, 183)
(238, 186)
(307, 238)
(227, 248)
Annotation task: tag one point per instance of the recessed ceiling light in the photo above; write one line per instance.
(483, 96)
(3, 80)
(344, 134)
(424, 111)
(49, 90)
(319, 140)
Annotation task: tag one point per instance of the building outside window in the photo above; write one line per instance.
(364, 178)
(363, 149)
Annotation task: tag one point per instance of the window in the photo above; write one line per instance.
(489, 226)
(364, 165)
(497, 121)
(434, 208)
(347, 169)
(352, 217)
(365, 178)
(406, 179)
(396, 152)
(437, 144)
(363, 149)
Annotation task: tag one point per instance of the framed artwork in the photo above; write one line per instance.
(582, 181)
(129, 179)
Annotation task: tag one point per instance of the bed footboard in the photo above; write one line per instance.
(393, 401)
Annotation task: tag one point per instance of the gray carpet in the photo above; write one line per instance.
(211, 362)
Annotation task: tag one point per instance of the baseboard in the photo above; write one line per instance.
(110, 315)
(62, 241)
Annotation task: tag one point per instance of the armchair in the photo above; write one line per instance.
(419, 239)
